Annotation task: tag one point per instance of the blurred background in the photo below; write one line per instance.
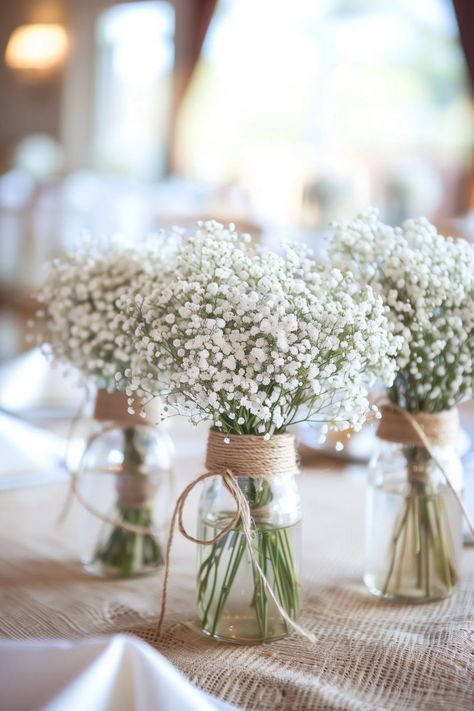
(278, 116)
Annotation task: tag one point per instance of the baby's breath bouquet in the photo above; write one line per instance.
(80, 324)
(427, 284)
(79, 318)
(254, 342)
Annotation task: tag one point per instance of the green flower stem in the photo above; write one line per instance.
(423, 521)
(262, 597)
(233, 566)
(395, 539)
(214, 564)
(272, 550)
(442, 558)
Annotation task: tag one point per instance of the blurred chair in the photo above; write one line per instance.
(39, 156)
(184, 203)
(412, 188)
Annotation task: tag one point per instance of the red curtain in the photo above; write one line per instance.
(193, 18)
(464, 10)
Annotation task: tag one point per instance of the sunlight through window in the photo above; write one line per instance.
(136, 57)
(319, 108)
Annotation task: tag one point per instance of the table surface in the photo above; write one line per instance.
(368, 654)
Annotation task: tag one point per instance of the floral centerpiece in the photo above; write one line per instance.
(79, 318)
(427, 284)
(79, 325)
(254, 342)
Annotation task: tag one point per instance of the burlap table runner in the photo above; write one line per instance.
(369, 654)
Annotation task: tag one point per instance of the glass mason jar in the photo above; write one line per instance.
(83, 426)
(125, 485)
(233, 603)
(413, 523)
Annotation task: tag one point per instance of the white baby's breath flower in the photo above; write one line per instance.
(254, 341)
(427, 283)
(83, 302)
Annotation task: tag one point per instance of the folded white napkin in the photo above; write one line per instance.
(29, 455)
(119, 673)
(29, 383)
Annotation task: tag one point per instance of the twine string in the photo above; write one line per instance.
(113, 407)
(112, 520)
(251, 455)
(108, 407)
(63, 514)
(439, 427)
(135, 491)
(260, 452)
(442, 429)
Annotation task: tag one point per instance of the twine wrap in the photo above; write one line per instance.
(423, 429)
(440, 428)
(229, 456)
(135, 491)
(113, 407)
(250, 455)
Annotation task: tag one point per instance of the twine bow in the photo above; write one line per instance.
(217, 446)
(428, 429)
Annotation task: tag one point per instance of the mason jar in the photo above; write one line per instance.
(234, 604)
(125, 487)
(413, 522)
(83, 426)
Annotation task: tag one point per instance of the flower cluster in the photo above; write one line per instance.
(255, 341)
(79, 319)
(427, 283)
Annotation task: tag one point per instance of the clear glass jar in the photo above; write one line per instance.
(126, 477)
(413, 523)
(233, 604)
(82, 427)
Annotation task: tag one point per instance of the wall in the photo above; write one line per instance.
(25, 109)
(79, 81)
(62, 107)
(76, 119)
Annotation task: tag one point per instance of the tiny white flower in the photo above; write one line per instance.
(246, 336)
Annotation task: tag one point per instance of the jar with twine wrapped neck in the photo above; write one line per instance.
(248, 536)
(124, 485)
(414, 508)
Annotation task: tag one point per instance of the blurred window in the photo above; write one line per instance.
(133, 92)
(318, 108)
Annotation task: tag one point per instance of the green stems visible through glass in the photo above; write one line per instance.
(125, 552)
(220, 573)
(421, 559)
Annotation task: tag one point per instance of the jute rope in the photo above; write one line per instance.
(425, 429)
(249, 455)
(112, 520)
(396, 425)
(135, 491)
(113, 408)
(229, 456)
